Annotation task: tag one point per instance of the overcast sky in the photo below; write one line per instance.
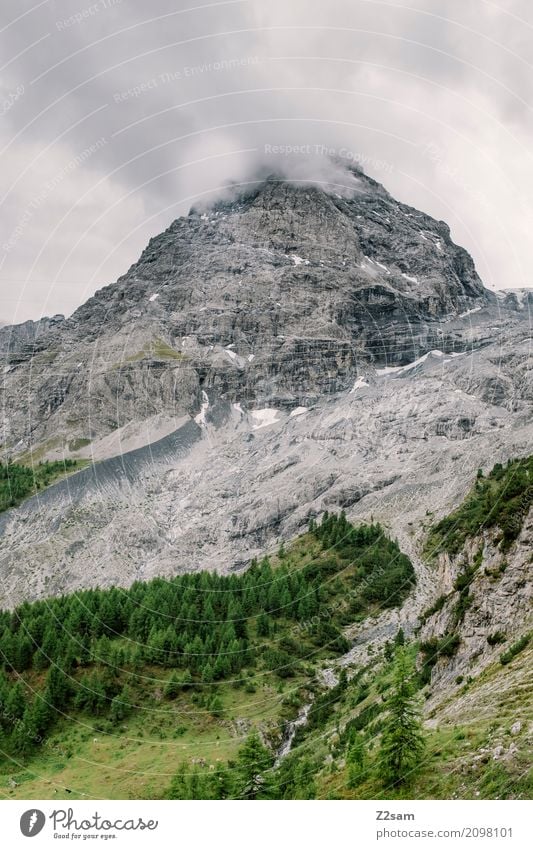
(117, 116)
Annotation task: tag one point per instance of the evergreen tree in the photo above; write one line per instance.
(207, 673)
(58, 687)
(24, 735)
(43, 714)
(172, 687)
(253, 762)
(121, 706)
(355, 759)
(402, 740)
(15, 702)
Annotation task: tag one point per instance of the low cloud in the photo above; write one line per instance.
(435, 103)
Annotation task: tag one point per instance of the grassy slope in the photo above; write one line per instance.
(138, 759)
(501, 499)
(464, 729)
(91, 757)
(462, 735)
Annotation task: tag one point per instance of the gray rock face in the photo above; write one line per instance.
(501, 594)
(280, 353)
(277, 297)
(24, 339)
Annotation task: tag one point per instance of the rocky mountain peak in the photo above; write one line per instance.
(286, 349)
(275, 295)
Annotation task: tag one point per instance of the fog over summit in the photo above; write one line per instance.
(118, 120)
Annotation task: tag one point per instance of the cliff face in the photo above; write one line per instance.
(496, 607)
(281, 352)
(275, 298)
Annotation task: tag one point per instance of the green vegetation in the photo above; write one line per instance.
(376, 570)
(182, 688)
(78, 444)
(402, 741)
(434, 608)
(433, 649)
(156, 349)
(500, 500)
(515, 649)
(199, 641)
(344, 758)
(462, 586)
(496, 639)
(17, 482)
(249, 777)
(162, 350)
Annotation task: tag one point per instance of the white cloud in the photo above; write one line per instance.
(436, 101)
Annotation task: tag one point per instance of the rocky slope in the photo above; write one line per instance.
(281, 352)
(274, 298)
(499, 611)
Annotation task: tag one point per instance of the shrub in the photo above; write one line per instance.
(514, 649)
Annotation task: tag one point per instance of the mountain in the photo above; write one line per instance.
(283, 352)
(18, 337)
(225, 296)
(280, 352)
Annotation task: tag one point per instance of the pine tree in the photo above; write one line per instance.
(121, 706)
(355, 759)
(24, 735)
(253, 762)
(402, 740)
(40, 661)
(58, 687)
(15, 702)
(263, 625)
(172, 687)
(43, 714)
(207, 673)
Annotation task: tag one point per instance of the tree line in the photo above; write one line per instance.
(18, 481)
(81, 650)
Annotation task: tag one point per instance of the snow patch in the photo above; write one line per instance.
(298, 260)
(200, 418)
(298, 411)
(239, 409)
(375, 262)
(384, 267)
(411, 279)
(153, 298)
(231, 354)
(264, 418)
(469, 312)
(409, 366)
(359, 383)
